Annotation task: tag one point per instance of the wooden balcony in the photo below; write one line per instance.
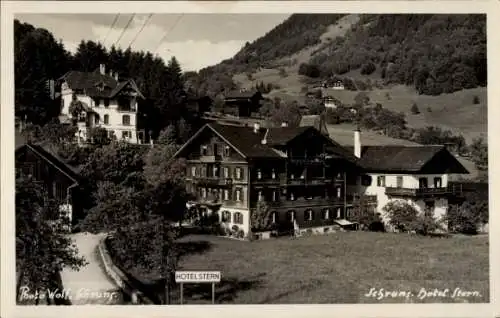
(306, 203)
(213, 181)
(423, 192)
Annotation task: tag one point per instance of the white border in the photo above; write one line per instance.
(492, 8)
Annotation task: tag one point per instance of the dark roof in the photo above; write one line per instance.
(90, 81)
(246, 140)
(315, 121)
(400, 158)
(241, 94)
(53, 159)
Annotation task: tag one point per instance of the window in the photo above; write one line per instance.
(326, 214)
(275, 196)
(339, 213)
(273, 174)
(226, 216)
(238, 195)
(124, 134)
(291, 216)
(226, 172)
(260, 196)
(204, 150)
(259, 174)
(274, 217)
(292, 176)
(96, 120)
(438, 182)
(226, 194)
(381, 181)
(238, 173)
(366, 180)
(422, 183)
(193, 171)
(125, 120)
(203, 193)
(106, 102)
(399, 181)
(203, 171)
(339, 192)
(339, 175)
(215, 148)
(106, 119)
(215, 171)
(238, 218)
(226, 151)
(292, 197)
(309, 215)
(97, 102)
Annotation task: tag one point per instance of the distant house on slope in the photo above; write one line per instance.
(242, 103)
(106, 102)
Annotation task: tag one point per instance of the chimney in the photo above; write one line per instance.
(357, 143)
(264, 140)
(102, 69)
(284, 124)
(256, 127)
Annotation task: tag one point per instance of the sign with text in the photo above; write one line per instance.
(197, 277)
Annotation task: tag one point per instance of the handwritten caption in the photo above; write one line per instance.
(66, 294)
(381, 293)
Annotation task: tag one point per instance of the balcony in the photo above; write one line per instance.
(305, 203)
(213, 181)
(423, 192)
(367, 199)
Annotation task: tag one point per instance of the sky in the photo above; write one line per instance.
(196, 40)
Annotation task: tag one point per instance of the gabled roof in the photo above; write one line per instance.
(249, 143)
(315, 121)
(53, 160)
(90, 82)
(404, 158)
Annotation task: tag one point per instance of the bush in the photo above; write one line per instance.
(234, 230)
(429, 109)
(240, 234)
(401, 215)
(414, 109)
(368, 68)
(475, 100)
(426, 224)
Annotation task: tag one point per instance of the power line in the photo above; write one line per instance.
(142, 28)
(168, 32)
(125, 29)
(111, 28)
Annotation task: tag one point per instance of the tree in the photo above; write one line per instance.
(260, 217)
(479, 153)
(366, 216)
(42, 248)
(401, 215)
(99, 136)
(361, 99)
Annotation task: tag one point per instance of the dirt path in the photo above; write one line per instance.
(90, 285)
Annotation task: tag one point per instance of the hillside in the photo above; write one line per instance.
(434, 61)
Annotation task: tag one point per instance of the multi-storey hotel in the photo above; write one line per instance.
(305, 177)
(107, 102)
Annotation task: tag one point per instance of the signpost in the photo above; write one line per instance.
(197, 277)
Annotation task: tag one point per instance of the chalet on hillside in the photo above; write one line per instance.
(242, 103)
(107, 101)
(61, 181)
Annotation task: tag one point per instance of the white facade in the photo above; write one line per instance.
(123, 124)
(379, 183)
(245, 226)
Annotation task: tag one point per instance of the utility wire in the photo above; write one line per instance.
(142, 28)
(111, 28)
(125, 29)
(168, 32)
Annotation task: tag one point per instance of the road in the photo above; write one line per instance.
(90, 285)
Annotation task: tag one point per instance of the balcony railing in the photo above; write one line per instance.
(419, 192)
(305, 202)
(213, 181)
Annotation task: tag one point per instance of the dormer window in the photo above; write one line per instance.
(259, 174)
(226, 151)
(273, 174)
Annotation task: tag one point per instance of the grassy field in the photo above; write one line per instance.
(337, 268)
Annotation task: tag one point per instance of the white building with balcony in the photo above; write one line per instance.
(104, 101)
(416, 174)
